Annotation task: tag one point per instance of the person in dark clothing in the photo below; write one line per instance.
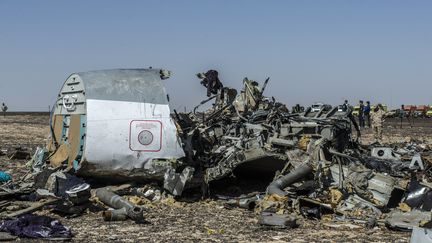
(403, 114)
(360, 114)
(345, 106)
(366, 112)
(4, 108)
(211, 81)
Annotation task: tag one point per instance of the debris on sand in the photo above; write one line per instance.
(311, 160)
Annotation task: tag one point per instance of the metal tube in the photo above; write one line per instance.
(113, 200)
(115, 215)
(124, 209)
(277, 186)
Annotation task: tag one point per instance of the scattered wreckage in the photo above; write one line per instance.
(117, 124)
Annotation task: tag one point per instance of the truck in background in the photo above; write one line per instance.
(409, 110)
(421, 111)
(429, 112)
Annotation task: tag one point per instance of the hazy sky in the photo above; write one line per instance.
(311, 50)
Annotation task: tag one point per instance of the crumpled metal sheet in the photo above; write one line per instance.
(277, 220)
(407, 220)
(176, 182)
(421, 235)
(368, 184)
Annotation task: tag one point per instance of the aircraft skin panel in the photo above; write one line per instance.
(128, 135)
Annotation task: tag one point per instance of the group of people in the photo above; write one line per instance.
(364, 114)
(367, 118)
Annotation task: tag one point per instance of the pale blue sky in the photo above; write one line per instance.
(312, 50)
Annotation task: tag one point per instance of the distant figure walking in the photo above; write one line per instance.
(4, 108)
(366, 112)
(345, 106)
(360, 114)
(377, 122)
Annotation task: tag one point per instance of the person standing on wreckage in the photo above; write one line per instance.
(345, 106)
(366, 113)
(377, 122)
(361, 114)
(211, 81)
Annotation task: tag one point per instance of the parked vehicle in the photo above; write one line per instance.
(319, 106)
(393, 113)
(429, 112)
(421, 111)
(356, 110)
(410, 109)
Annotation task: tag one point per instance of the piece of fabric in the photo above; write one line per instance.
(5, 177)
(35, 226)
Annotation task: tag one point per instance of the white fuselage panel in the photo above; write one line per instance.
(128, 135)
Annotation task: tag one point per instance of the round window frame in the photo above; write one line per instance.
(152, 137)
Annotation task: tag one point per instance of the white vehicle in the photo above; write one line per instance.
(319, 106)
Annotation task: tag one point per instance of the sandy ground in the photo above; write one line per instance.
(204, 220)
(23, 130)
